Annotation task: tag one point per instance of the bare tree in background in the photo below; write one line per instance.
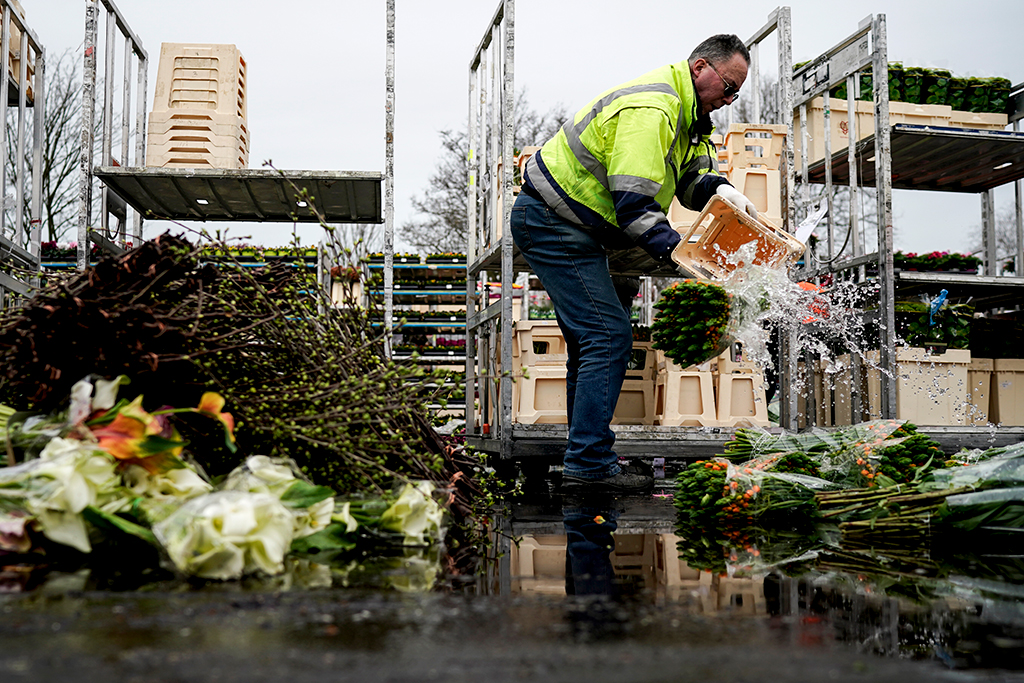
(1006, 239)
(61, 150)
(441, 226)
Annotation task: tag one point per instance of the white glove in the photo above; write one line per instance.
(726, 191)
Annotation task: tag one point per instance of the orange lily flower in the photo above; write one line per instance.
(212, 404)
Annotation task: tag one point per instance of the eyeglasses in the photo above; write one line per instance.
(730, 89)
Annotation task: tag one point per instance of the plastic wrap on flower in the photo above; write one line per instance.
(415, 514)
(756, 492)
(880, 453)
(69, 476)
(226, 534)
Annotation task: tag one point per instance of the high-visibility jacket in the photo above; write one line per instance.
(616, 165)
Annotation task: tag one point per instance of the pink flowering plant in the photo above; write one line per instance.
(936, 260)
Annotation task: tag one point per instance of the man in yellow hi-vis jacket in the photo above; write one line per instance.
(605, 181)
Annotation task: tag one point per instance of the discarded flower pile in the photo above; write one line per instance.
(106, 468)
(880, 484)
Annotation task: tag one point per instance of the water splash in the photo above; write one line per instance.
(830, 331)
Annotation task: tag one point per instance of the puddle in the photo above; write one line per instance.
(593, 588)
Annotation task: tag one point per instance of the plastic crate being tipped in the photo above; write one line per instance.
(708, 248)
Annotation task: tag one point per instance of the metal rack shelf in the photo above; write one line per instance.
(936, 158)
(247, 194)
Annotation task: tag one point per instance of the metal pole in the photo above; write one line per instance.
(508, 130)
(5, 49)
(389, 179)
(856, 406)
(828, 174)
(106, 153)
(883, 184)
(1019, 192)
(851, 158)
(471, 274)
(755, 81)
(88, 113)
(988, 233)
(126, 107)
(39, 105)
(140, 136)
(19, 164)
(788, 350)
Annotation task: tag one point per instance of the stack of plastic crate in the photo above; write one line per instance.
(684, 396)
(539, 355)
(538, 393)
(754, 154)
(14, 54)
(739, 390)
(199, 108)
(636, 398)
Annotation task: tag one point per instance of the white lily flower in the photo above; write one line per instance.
(343, 514)
(81, 401)
(226, 534)
(104, 394)
(261, 474)
(415, 514)
(179, 483)
(68, 476)
(314, 518)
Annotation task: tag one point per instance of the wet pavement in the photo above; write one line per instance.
(591, 589)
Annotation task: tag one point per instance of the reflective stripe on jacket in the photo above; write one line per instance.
(623, 157)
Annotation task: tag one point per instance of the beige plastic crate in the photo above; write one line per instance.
(979, 383)
(749, 145)
(538, 342)
(201, 77)
(741, 400)
(719, 232)
(836, 391)
(811, 395)
(197, 159)
(14, 53)
(538, 565)
(1008, 392)
(222, 140)
(899, 112)
(931, 389)
(684, 396)
(199, 123)
(984, 121)
(763, 187)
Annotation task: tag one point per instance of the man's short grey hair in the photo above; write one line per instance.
(720, 48)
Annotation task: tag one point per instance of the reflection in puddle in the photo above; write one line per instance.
(968, 614)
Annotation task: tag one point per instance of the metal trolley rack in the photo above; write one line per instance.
(904, 156)
(209, 194)
(895, 156)
(491, 250)
(23, 91)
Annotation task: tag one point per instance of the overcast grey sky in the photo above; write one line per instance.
(316, 70)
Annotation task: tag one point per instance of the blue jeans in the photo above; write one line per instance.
(573, 267)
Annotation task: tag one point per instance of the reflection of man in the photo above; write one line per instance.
(605, 181)
(588, 547)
